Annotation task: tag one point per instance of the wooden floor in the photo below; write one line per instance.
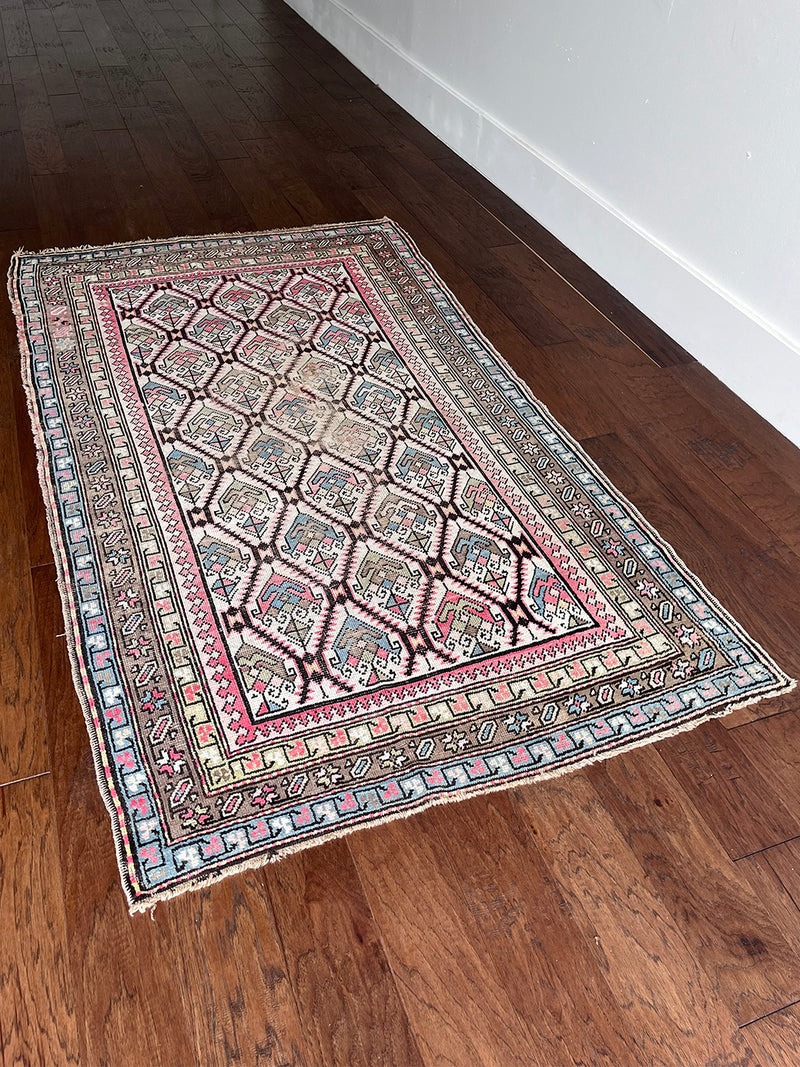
(643, 912)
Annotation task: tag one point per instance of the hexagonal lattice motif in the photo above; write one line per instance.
(240, 300)
(215, 330)
(463, 624)
(422, 470)
(213, 427)
(131, 296)
(310, 292)
(300, 414)
(341, 341)
(246, 508)
(169, 308)
(321, 376)
(479, 558)
(225, 564)
(266, 353)
(335, 488)
(242, 387)
(476, 498)
(270, 280)
(387, 583)
(386, 365)
(404, 521)
(192, 475)
(288, 607)
(272, 457)
(358, 441)
(377, 400)
(187, 363)
(314, 544)
(164, 401)
(270, 682)
(429, 428)
(142, 340)
(549, 599)
(361, 651)
(351, 309)
(289, 320)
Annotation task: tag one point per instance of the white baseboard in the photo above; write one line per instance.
(749, 354)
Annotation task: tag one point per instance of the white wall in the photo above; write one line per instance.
(658, 139)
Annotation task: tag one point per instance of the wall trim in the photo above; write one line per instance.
(751, 355)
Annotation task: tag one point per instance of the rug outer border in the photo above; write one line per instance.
(784, 684)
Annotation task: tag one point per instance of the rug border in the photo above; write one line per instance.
(784, 684)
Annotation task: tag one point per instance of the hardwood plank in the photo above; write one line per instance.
(122, 970)
(351, 1010)
(23, 743)
(92, 86)
(772, 876)
(233, 108)
(17, 208)
(5, 72)
(141, 217)
(42, 145)
(215, 131)
(730, 793)
(266, 207)
(736, 802)
(233, 977)
(65, 14)
(53, 63)
(94, 222)
(663, 395)
(535, 321)
(204, 172)
(283, 154)
(456, 1000)
(37, 1025)
(589, 325)
(552, 978)
(560, 376)
(784, 860)
(661, 348)
(772, 745)
(138, 57)
(577, 390)
(16, 31)
(671, 1004)
(99, 35)
(753, 968)
(168, 181)
(776, 1038)
(763, 439)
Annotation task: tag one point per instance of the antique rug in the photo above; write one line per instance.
(324, 560)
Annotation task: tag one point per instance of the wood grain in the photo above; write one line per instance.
(672, 1005)
(532, 936)
(37, 1022)
(352, 1013)
(453, 989)
(644, 911)
(741, 949)
(23, 742)
(233, 980)
(776, 1038)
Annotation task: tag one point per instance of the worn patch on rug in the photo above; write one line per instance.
(324, 559)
